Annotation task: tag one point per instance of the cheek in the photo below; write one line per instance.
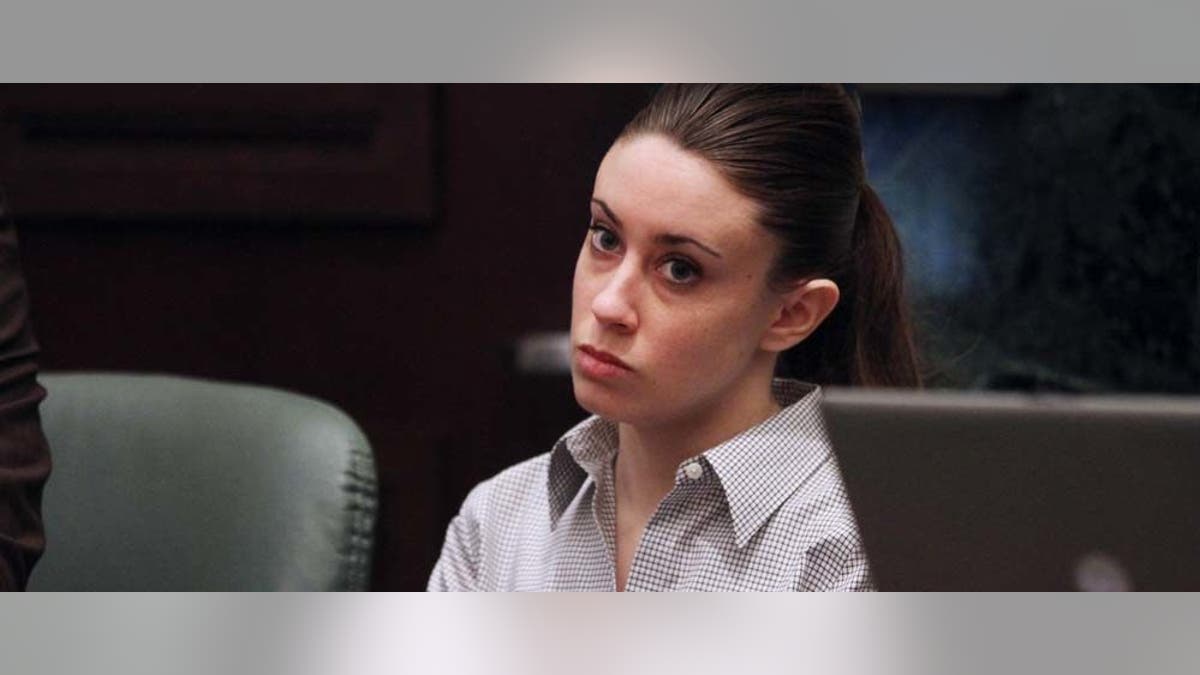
(720, 337)
(686, 339)
(580, 293)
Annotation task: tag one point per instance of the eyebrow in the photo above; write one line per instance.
(667, 239)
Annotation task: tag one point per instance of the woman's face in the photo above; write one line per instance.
(671, 282)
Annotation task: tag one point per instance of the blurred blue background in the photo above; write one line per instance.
(1051, 230)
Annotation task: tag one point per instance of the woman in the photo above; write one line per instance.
(733, 243)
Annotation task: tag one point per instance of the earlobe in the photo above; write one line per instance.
(803, 310)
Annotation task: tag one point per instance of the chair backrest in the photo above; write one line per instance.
(172, 483)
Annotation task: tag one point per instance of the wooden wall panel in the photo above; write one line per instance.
(290, 152)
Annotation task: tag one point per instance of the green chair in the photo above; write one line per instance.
(172, 483)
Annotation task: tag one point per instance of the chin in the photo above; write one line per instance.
(612, 404)
(598, 399)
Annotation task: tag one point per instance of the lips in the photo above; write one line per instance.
(604, 357)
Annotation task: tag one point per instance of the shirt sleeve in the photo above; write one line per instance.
(838, 563)
(24, 455)
(457, 568)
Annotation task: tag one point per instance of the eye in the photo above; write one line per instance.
(604, 239)
(680, 271)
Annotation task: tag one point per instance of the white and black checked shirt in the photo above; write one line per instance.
(764, 511)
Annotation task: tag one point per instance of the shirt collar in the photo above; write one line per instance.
(764, 465)
(758, 469)
(584, 451)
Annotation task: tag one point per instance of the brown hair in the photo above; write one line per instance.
(797, 151)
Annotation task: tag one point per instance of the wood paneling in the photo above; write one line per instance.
(282, 152)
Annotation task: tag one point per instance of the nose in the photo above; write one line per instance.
(615, 305)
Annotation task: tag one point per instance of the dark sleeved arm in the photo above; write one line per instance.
(24, 455)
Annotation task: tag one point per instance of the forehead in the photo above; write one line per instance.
(651, 184)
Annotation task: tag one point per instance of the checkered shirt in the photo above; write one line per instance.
(763, 511)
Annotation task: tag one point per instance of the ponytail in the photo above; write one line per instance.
(867, 340)
(880, 336)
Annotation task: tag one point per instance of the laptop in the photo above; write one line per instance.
(996, 491)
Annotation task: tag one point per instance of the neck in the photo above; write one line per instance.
(650, 455)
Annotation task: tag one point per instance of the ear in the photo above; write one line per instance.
(803, 309)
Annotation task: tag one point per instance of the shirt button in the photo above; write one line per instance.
(693, 470)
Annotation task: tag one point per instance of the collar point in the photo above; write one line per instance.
(742, 539)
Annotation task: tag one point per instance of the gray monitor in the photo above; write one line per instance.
(990, 491)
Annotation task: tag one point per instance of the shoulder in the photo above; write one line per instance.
(820, 501)
(834, 557)
(495, 509)
(508, 491)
